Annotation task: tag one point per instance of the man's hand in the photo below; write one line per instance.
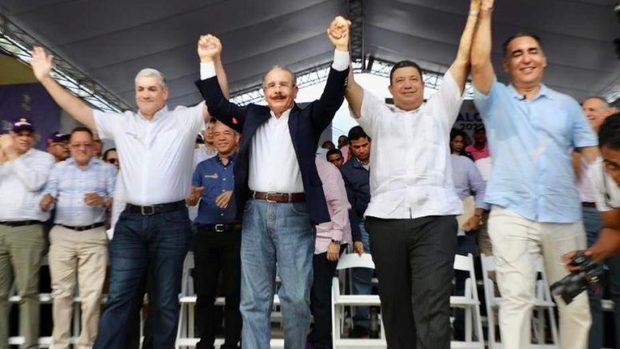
(486, 5)
(333, 252)
(209, 48)
(94, 200)
(358, 247)
(7, 146)
(41, 63)
(46, 202)
(223, 199)
(338, 33)
(194, 195)
(471, 224)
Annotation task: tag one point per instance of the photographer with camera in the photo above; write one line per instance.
(604, 174)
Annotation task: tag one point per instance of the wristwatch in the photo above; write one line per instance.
(337, 242)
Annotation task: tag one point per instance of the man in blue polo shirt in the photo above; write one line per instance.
(217, 242)
(536, 211)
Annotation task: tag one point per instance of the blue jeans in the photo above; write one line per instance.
(592, 225)
(156, 245)
(362, 283)
(276, 236)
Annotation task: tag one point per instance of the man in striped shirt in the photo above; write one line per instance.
(81, 188)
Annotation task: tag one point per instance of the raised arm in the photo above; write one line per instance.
(42, 66)
(355, 95)
(215, 90)
(481, 67)
(333, 94)
(460, 67)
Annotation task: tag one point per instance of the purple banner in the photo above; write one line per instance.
(31, 101)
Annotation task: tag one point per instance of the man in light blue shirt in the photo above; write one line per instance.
(81, 188)
(536, 210)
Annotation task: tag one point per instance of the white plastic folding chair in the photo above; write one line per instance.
(470, 302)
(340, 301)
(543, 307)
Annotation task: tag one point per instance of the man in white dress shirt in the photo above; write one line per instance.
(153, 233)
(23, 173)
(411, 215)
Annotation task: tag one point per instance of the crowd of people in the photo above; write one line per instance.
(244, 189)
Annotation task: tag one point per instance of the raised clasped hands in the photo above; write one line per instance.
(338, 33)
(209, 48)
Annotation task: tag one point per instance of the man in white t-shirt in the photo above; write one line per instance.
(411, 215)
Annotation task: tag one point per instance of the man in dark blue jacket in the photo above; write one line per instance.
(356, 175)
(277, 187)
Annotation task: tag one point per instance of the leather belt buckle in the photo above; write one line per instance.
(269, 194)
(219, 228)
(147, 210)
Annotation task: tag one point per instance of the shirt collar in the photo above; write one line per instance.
(396, 109)
(93, 161)
(284, 115)
(231, 159)
(158, 115)
(543, 92)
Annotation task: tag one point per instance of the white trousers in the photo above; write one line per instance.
(518, 243)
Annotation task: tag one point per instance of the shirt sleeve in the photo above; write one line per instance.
(107, 123)
(110, 180)
(193, 116)
(477, 185)
(196, 177)
(596, 175)
(372, 109)
(583, 135)
(484, 102)
(51, 187)
(33, 171)
(336, 197)
(448, 100)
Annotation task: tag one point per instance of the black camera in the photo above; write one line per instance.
(587, 273)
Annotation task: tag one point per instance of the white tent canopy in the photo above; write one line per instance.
(110, 41)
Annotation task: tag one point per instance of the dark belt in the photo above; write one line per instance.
(85, 227)
(219, 228)
(155, 209)
(20, 223)
(278, 197)
(588, 204)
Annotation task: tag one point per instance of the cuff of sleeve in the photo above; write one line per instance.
(336, 234)
(341, 60)
(207, 70)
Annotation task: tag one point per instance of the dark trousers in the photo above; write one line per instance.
(320, 300)
(214, 254)
(157, 243)
(414, 261)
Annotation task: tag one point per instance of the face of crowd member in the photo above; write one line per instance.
(480, 136)
(151, 95)
(280, 92)
(208, 134)
(360, 148)
(342, 141)
(611, 161)
(407, 88)
(24, 140)
(60, 150)
(596, 110)
(457, 144)
(111, 157)
(525, 61)
(336, 159)
(328, 145)
(225, 139)
(81, 146)
(97, 145)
